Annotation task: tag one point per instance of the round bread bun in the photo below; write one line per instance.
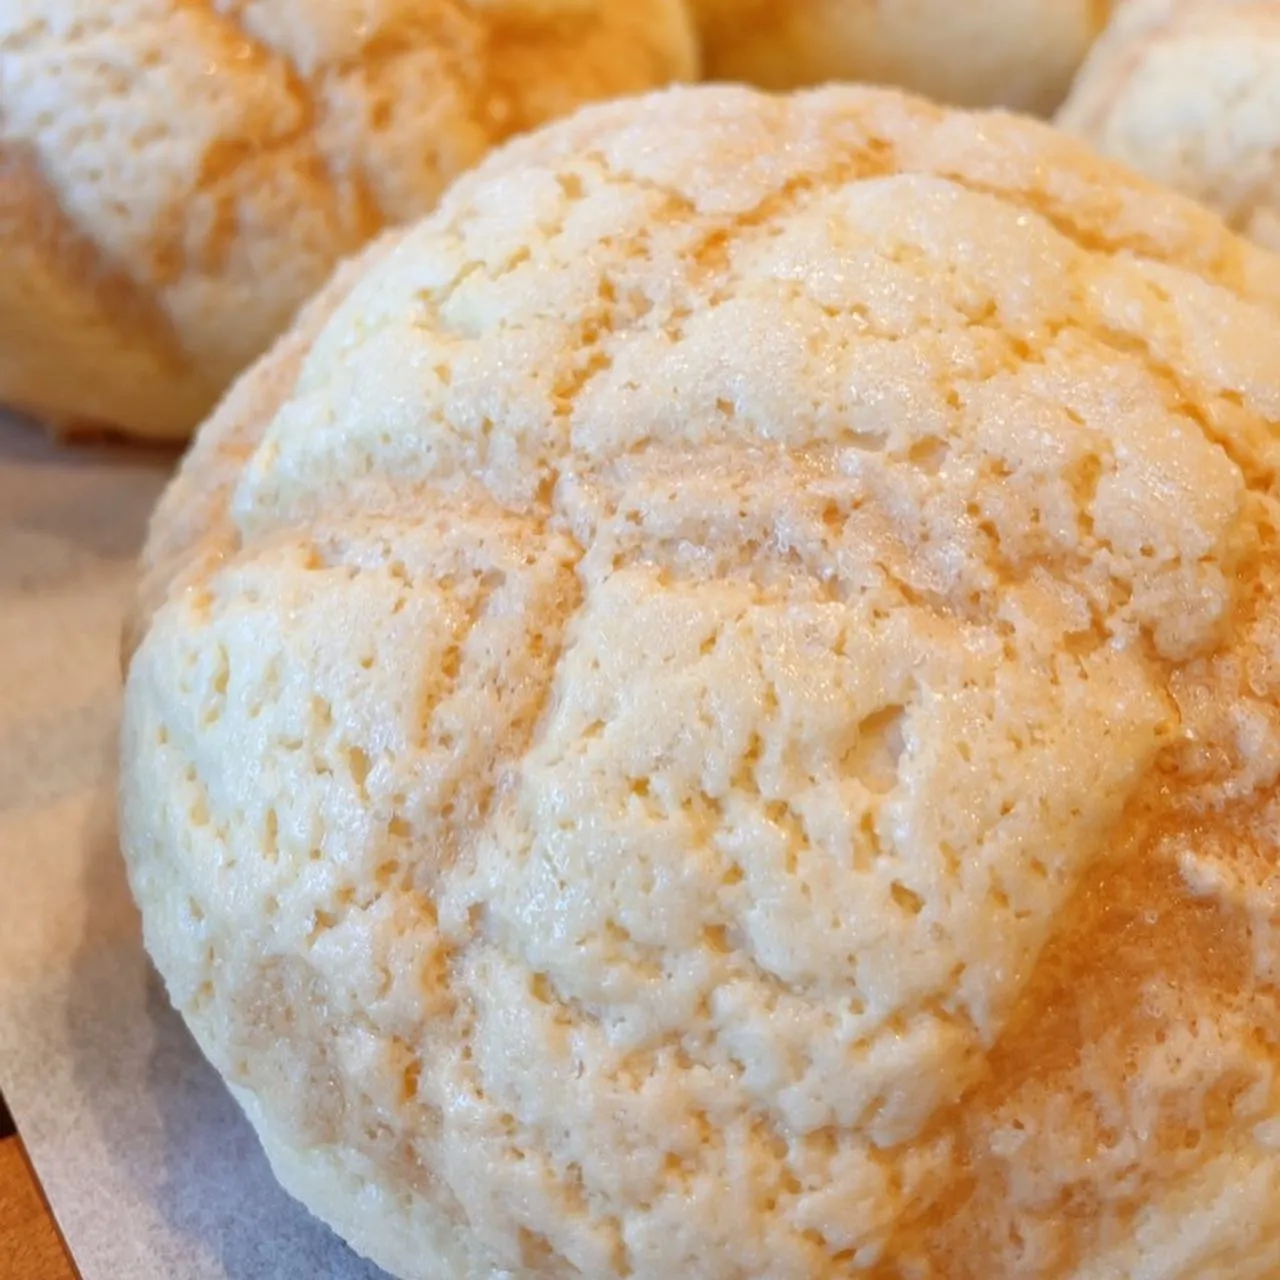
(1188, 93)
(975, 53)
(176, 178)
(713, 710)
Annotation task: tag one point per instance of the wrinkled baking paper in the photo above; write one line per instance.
(151, 1171)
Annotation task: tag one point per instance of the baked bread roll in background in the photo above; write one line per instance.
(1188, 92)
(712, 711)
(176, 178)
(1013, 53)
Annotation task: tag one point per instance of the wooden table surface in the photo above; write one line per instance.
(30, 1246)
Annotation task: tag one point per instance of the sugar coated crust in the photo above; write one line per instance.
(713, 710)
(177, 176)
(1188, 93)
(976, 53)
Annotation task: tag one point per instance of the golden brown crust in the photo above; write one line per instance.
(191, 522)
(203, 166)
(1013, 53)
(80, 341)
(1186, 92)
(721, 718)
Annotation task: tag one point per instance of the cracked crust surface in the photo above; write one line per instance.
(720, 718)
(1011, 53)
(1188, 93)
(177, 176)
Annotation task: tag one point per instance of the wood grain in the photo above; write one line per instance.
(30, 1246)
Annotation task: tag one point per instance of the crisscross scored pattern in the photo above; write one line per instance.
(177, 176)
(712, 711)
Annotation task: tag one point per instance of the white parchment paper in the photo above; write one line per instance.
(150, 1169)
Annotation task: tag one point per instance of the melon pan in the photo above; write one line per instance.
(1187, 92)
(720, 717)
(1010, 53)
(178, 176)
